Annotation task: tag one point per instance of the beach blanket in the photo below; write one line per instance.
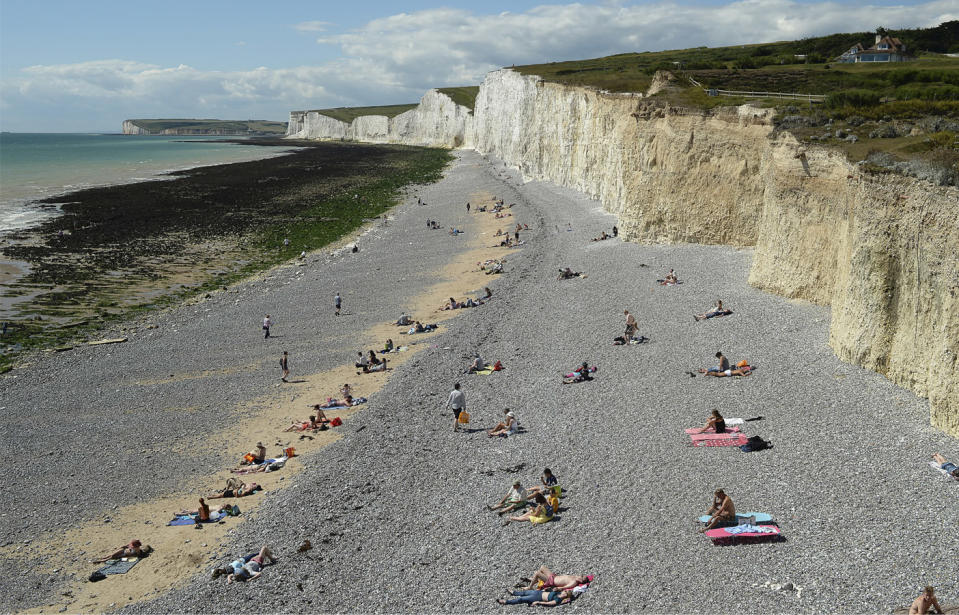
(119, 566)
(262, 467)
(191, 519)
(695, 430)
(356, 402)
(696, 437)
(745, 534)
(738, 440)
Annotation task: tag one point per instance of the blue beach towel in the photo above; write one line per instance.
(119, 566)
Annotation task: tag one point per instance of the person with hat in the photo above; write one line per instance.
(514, 499)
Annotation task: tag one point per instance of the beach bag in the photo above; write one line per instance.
(290, 452)
(743, 363)
(248, 458)
(753, 444)
(336, 422)
(464, 417)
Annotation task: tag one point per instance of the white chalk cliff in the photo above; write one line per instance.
(882, 250)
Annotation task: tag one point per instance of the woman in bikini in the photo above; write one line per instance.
(716, 422)
(134, 549)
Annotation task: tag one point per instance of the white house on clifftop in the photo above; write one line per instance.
(885, 49)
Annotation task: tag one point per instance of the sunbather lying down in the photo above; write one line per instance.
(550, 580)
(316, 421)
(946, 465)
(535, 597)
(246, 568)
(133, 549)
(580, 374)
(635, 339)
(568, 274)
(235, 489)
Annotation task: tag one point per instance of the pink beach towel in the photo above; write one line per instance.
(737, 441)
(695, 430)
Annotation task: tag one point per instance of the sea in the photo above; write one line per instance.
(36, 166)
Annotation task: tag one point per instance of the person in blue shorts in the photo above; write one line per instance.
(948, 466)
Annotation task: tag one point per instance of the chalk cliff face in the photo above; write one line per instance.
(437, 122)
(881, 250)
(129, 128)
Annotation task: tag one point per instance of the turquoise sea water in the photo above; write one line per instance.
(39, 165)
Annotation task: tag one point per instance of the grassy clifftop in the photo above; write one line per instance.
(192, 126)
(348, 114)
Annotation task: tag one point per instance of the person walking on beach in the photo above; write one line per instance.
(467, 207)
(456, 402)
(267, 323)
(285, 366)
(337, 303)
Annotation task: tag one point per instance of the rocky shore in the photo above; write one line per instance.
(395, 509)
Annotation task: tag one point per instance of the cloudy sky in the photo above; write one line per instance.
(74, 66)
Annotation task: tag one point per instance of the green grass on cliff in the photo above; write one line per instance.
(931, 84)
(348, 114)
(465, 96)
(238, 126)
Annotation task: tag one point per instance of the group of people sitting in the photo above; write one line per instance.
(469, 302)
(546, 588)
(541, 501)
(433, 225)
(371, 363)
(418, 327)
(604, 236)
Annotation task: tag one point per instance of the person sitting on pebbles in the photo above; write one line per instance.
(715, 422)
(133, 549)
(507, 427)
(477, 365)
(723, 511)
(541, 510)
(671, 278)
(717, 310)
(514, 499)
(235, 489)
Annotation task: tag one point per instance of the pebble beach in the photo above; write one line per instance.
(395, 505)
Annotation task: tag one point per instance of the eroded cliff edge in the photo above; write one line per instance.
(881, 250)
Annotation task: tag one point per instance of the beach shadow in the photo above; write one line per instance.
(295, 381)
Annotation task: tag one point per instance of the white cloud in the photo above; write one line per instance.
(312, 26)
(397, 58)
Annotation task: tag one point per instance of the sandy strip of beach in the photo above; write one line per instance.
(395, 508)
